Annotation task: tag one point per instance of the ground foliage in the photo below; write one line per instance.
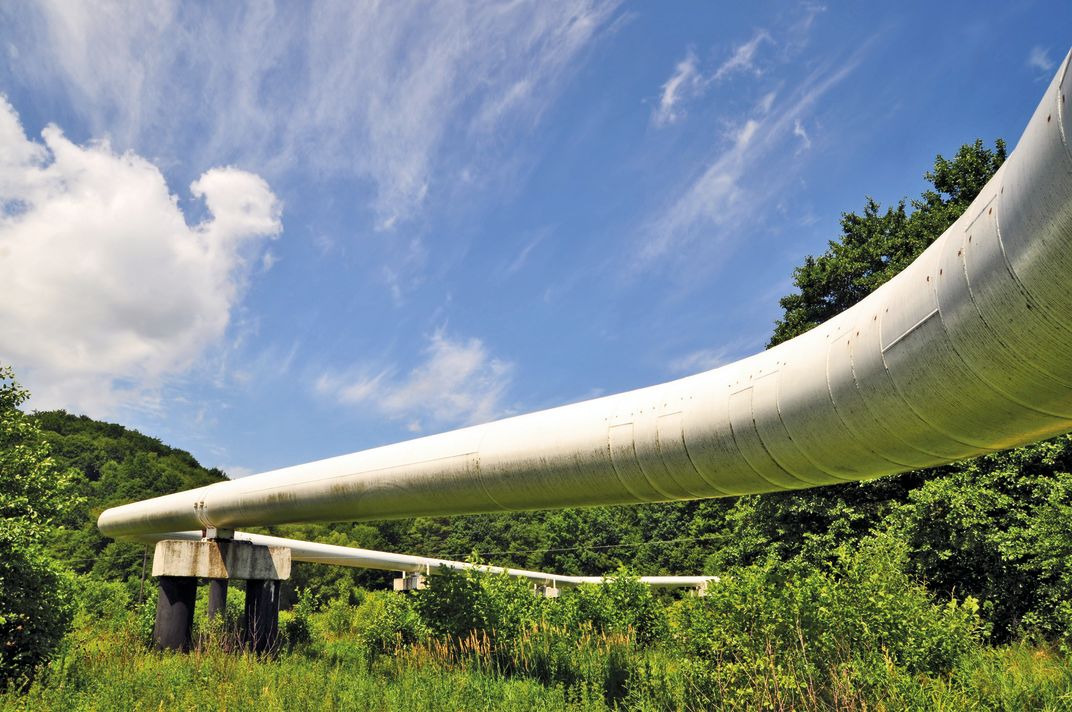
(35, 493)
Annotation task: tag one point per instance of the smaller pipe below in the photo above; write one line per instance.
(353, 557)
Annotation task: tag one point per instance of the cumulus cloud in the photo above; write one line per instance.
(107, 290)
(458, 382)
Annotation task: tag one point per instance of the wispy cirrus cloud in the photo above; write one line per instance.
(458, 382)
(1039, 58)
(743, 58)
(689, 81)
(685, 82)
(748, 164)
(390, 94)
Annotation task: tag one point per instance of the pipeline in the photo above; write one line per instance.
(967, 351)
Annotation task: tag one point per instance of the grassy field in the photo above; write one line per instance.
(106, 666)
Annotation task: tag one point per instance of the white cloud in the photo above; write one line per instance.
(682, 84)
(766, 102)
(107, 290)
(743, 57)
(237, 471)
(802, 134)
(702, 360)
(458, 382)
(720, 198)
(388, 93)
(1039, 58)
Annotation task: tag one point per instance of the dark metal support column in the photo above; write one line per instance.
(262, 615)
(217, 597)
(175, 613)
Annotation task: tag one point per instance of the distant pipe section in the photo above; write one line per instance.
(355, 558)
(967, 351)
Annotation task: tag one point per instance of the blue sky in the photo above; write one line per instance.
(271, 234)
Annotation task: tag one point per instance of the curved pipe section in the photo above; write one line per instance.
(967, 351)
(355, 558)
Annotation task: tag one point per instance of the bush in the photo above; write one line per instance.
(789, 634)
(457, 602)
(104, 601)
(621, 604)
(35, 608)
(386, 621)
(295, 625)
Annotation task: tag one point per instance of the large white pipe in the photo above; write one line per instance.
(356, 558)
(967, 351)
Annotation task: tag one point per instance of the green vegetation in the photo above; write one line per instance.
(858, 635)
(948, 588)
(35, 607)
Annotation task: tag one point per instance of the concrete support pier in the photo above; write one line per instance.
(175, 613)
(217, 597)
(179, 564)
(261, 634)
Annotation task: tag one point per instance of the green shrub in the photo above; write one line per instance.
(776, 632)
(36, 605)
(386, 621)
(105, 601)
(336, 618)
(621, 604)
(295, 625)
(457, 602)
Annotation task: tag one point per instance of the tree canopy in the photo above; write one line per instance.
(876, 245)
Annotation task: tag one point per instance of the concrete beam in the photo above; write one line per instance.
(221, 560)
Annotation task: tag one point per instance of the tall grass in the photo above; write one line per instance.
(859, 635)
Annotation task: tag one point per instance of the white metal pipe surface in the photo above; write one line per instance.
(967, 351)
(355, 558)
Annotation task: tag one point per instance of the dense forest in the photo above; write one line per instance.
(904, 591)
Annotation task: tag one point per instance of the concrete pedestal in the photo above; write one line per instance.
(409, 582)
(179, 564)
(175, 613)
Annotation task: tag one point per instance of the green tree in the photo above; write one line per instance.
(35, 593)
(876, 245)
(995, 527)
(873, 247)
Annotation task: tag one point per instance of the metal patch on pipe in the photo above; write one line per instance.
(624, 458)
(751, 448)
